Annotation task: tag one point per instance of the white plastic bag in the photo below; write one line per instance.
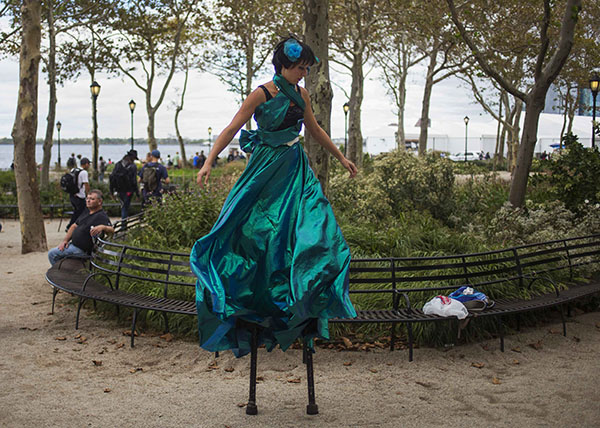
(445, 307)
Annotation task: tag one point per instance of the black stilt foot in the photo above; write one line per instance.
(54, 293)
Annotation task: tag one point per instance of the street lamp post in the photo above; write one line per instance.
(95, 89)
(58, 126)
(594, 82)
(132, 108)
(209, 138)
(466, 119)
(346, 108)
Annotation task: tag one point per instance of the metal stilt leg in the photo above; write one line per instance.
(251, 408)
(311, 408)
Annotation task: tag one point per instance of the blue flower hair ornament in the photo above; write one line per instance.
(292, 49)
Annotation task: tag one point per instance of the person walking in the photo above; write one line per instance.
(152, 175)
(102, 169)
(83, 187)
(275, 256)
(123, 181)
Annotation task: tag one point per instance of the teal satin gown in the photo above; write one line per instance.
(276, 256)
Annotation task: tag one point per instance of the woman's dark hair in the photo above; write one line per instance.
(280, 59)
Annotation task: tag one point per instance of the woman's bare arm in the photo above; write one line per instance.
(312, 126)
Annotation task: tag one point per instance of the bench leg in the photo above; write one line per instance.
(392, 336)
(54, 293)
(81, 301)
(410, 341)
(311, 408)
(562, 317)
(166, 319)
(135, 312)
(501, 332)
(251, 408)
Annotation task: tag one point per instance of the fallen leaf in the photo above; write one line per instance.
(379, 344)
(373, 370)
(9, 272)
(516, 349)
(485, 347)
(167, 337)
(347, 342)
(78, 336)
(554, 331)
(478, 365)
(107, 390)
(423, 384)
(294, 380)
(576, 339)
(60, 338)
(537, 345)
(242, 404)
(136, 369)
(229, 369)
(97, 362)
(496, 381)
(119, 345)
(348, 363)
(260, 379)
(598, 325)
(515, 362)
(159, 345)
(128, 333)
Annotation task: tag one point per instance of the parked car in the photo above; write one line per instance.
(460, 157)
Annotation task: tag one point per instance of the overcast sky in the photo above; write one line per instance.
(208, 103)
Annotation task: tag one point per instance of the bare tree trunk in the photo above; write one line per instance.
(33, 233)
(45, 175)
(151, 138)
(249, 67)
(401, 135)
(355, 138)
(572, 111)
(316, 30)
(178, 110)
(518, 186)
(426, 101)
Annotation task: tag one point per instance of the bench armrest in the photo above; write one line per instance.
(535, 277)
(90, 276)
(406, 298)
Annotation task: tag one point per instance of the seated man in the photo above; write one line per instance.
(78, 242)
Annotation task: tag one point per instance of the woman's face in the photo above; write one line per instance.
(296, 73)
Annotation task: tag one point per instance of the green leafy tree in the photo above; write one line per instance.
(148, 34)
(476, 22)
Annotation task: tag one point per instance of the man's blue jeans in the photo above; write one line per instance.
(55, 255)
(125, 203)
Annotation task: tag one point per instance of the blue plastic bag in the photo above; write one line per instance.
(465, 294)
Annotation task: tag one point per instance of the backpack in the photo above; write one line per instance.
(68, 182)
(150, 178)
(118, 179)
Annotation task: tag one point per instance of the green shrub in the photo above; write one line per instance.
(573, 174)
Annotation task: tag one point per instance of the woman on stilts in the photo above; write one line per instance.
(275, 265)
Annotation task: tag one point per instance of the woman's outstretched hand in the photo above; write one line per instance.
(349, 166)
(203, 174)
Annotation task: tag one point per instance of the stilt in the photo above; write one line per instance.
(311, 408)
(251, 408)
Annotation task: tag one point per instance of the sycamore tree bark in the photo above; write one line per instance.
(45, 174)
(33, 234)
(545, 72)
(316, 28)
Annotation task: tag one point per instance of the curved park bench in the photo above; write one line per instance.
(164, 283)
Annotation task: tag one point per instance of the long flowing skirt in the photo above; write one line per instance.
(275, 257)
